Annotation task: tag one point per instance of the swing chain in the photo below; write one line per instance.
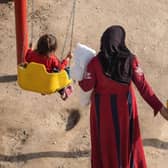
(32, 34)
(32, 24)
(71, 24)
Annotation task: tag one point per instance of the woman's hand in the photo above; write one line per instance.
(164, 112)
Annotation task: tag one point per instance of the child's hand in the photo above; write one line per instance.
(23, 64)
(30, 45)
(69, 55)
(164, 112)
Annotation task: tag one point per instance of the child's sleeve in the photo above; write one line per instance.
(56, 63)
(89, 79)
(28, 55)
(64, 64)
(144, 88)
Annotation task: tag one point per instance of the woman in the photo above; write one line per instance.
(115, 134)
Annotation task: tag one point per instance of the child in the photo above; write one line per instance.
(45, 54)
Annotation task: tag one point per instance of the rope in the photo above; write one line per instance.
(32, 33)
(71, 24)
(23, 48)
(32, 24)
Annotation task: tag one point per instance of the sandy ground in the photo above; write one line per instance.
(33, 127)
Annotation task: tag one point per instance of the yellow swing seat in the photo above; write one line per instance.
(34, 77)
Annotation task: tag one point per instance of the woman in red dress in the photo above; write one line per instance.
(115, 133)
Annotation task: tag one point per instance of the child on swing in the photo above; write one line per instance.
(45, 54)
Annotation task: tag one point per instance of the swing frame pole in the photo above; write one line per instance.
(21, 29)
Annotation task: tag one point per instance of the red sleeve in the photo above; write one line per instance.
(56, 63)
(89, 79)
(28, 55)
(64, 64)
(144, 88)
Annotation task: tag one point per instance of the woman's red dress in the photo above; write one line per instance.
(115, 133)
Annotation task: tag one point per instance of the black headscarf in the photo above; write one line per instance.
(114, 56)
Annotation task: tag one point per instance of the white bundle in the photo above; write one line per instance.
(82, 56)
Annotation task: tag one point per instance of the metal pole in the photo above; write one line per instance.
(21, 29)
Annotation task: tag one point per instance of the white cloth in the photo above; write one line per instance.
(82, 56)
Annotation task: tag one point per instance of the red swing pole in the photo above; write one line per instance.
(21, 29)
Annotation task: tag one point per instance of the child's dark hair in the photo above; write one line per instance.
(46, 44)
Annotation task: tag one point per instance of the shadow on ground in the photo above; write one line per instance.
(155, 143)
(73, 118)
(5, 1)
(8, 78)
(50, 154)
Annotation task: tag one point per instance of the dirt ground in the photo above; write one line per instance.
(33, 127)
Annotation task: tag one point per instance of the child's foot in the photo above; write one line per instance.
(43, 94)
(69, 90)
(66, 92)
(64, 96)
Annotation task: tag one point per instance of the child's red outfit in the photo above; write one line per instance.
(49, 62)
